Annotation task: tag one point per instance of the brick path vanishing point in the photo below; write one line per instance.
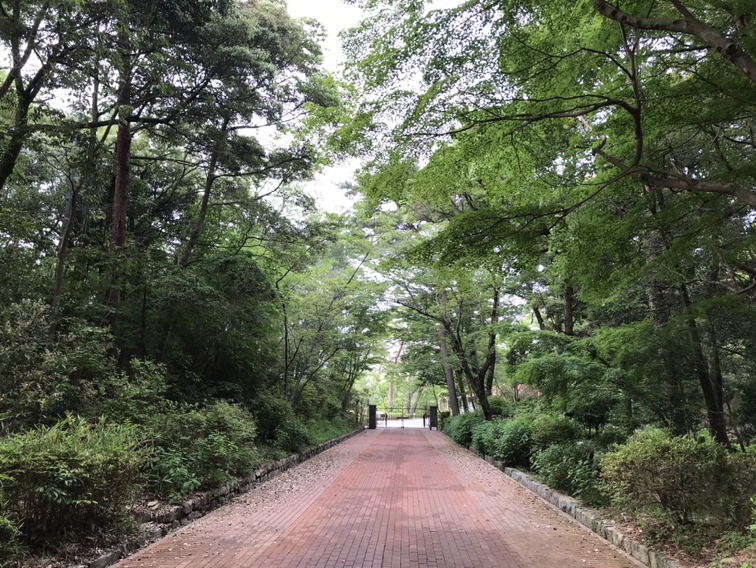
(387, 498)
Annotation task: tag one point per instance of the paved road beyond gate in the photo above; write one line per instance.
(388, 498)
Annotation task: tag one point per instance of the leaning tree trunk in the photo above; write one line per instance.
(475, 377)
(417, 401)
(199, 225)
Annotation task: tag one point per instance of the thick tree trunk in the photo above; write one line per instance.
(448, 373)
(122, 182)
(475, 378)
(539, 319)
(17, 138)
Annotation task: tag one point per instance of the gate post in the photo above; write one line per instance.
(371, 416)
(433, 417)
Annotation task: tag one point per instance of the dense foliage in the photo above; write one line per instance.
(174, 309)
(555, 243)
(567, 190)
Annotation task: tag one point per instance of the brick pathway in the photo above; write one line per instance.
(391, 499)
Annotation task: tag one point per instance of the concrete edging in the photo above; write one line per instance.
(158, 525)
(588, 518)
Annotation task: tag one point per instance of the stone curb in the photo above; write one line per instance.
(588, 518)
(159, 525)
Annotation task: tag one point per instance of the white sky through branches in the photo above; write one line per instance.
(336, 15)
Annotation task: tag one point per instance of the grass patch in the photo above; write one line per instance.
(324, 430)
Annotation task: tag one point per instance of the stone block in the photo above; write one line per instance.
(567, 504)
(640, 552)
(170, 515)
(106, 559)
(142, 516)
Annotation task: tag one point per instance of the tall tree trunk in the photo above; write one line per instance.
(448, 373)
(539, 319)
(660, 304)
(122, 179)
(391, 383)
(417, 401)
(475, 377)
(712, 390)
(569, 304)
(17, 138)
(491, 355)
(143, 324)
(461, 385)
(60, 263)
(196, 233)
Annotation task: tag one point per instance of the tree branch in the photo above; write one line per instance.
(690, 25)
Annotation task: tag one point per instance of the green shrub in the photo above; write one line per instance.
(133, 396)
(611, 435)
(681, 475)
(9, 539)
(551, 429)
(321, 431)
(459, 428)
(171, 474)
(73, 476)
(293, 436)
(9, 531)
(201, 448)
(572, 468)
(484, 437)
(443, 417)
(513, 442)
(278, 425)
(500, 406)
(738, 489)
(45, 376)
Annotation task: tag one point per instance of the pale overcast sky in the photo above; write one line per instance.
(335, 15)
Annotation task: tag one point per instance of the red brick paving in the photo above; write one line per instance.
(391, 499)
